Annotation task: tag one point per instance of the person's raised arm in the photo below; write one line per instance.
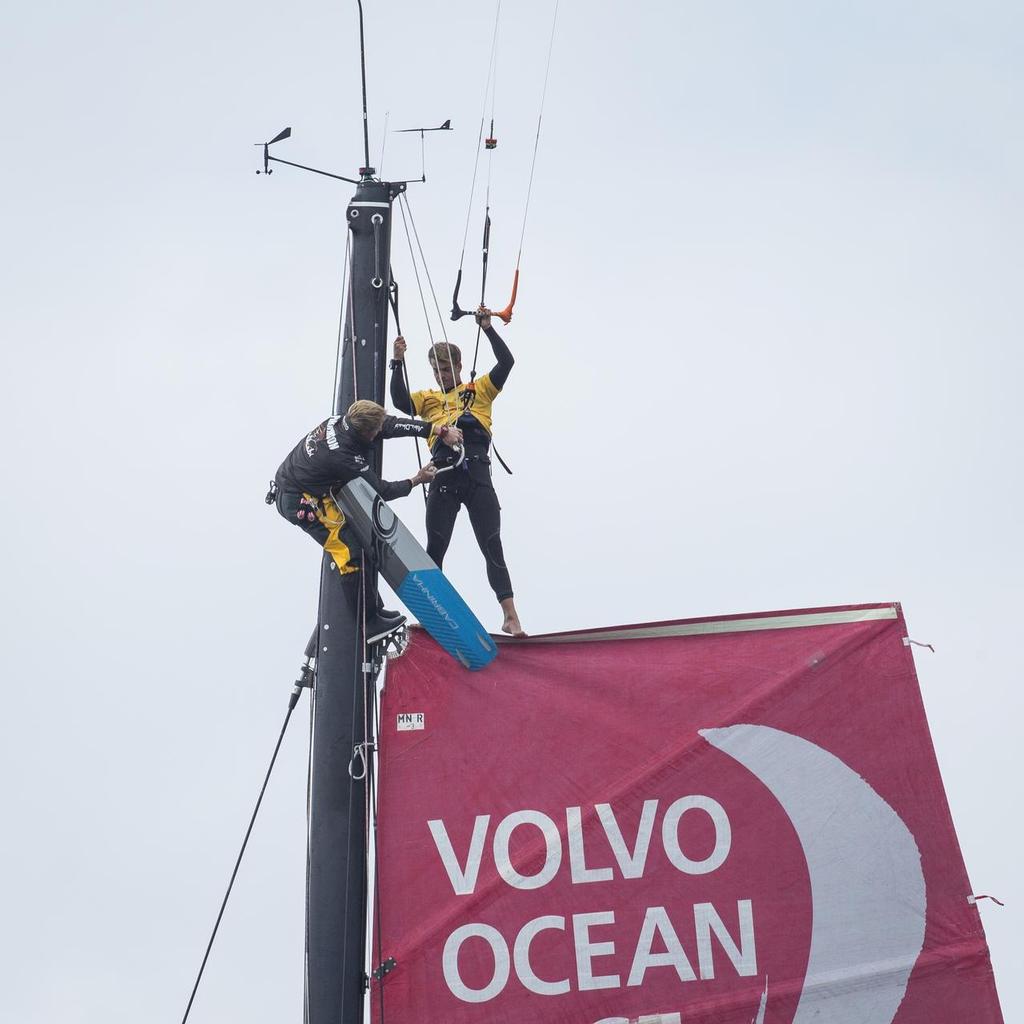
(503, 367)
(395, 426)
(400, 397)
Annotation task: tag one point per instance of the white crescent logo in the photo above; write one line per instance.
(867, 886)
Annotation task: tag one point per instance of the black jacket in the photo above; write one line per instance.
(333, 453)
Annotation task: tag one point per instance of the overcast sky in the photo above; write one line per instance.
(768, 356)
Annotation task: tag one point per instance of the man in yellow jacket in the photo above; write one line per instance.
(468, 407)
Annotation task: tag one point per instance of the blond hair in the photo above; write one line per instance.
(443, 352)
(366, 417)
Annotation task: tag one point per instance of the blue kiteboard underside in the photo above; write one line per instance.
(414, 577)
(429, 595)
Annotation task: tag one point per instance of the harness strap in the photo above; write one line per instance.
(454, 464)
(497, 455)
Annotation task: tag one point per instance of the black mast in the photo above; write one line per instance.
(343, 693)
(336, 889)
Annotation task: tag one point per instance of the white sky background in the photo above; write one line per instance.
(767, 353)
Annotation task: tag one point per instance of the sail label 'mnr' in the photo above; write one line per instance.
(734, 821)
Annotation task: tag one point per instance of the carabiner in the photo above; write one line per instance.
(461, 450)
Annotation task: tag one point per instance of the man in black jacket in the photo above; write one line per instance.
(328, 457)
(468, 406)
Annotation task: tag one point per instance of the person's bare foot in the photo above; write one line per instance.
(511, 625)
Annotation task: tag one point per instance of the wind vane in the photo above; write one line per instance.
(446, 127)
(286, 133)
(366, 172)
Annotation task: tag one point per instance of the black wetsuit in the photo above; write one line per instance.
(328, 457)
(469, 484)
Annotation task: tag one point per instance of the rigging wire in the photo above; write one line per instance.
(403, 209)
(491, 142)
(331, 521)
(490, 145)
(393, 299)
(383, 143)
(407, 219)
(506, 314)
(404, 199)
(341, 325)
(293, 700)
(480, 135)
(437, 307)
(536, 141)
(416, 273)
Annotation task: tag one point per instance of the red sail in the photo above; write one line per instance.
(732, 821)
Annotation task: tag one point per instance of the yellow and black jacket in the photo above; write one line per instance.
(467, 406)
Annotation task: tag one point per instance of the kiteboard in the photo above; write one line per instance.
(412, 574)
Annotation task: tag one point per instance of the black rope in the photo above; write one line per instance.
(293, 699)
(485, 250)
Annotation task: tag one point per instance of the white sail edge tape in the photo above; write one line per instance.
(722, 626)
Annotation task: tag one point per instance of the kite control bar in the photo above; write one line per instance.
(504, 315)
